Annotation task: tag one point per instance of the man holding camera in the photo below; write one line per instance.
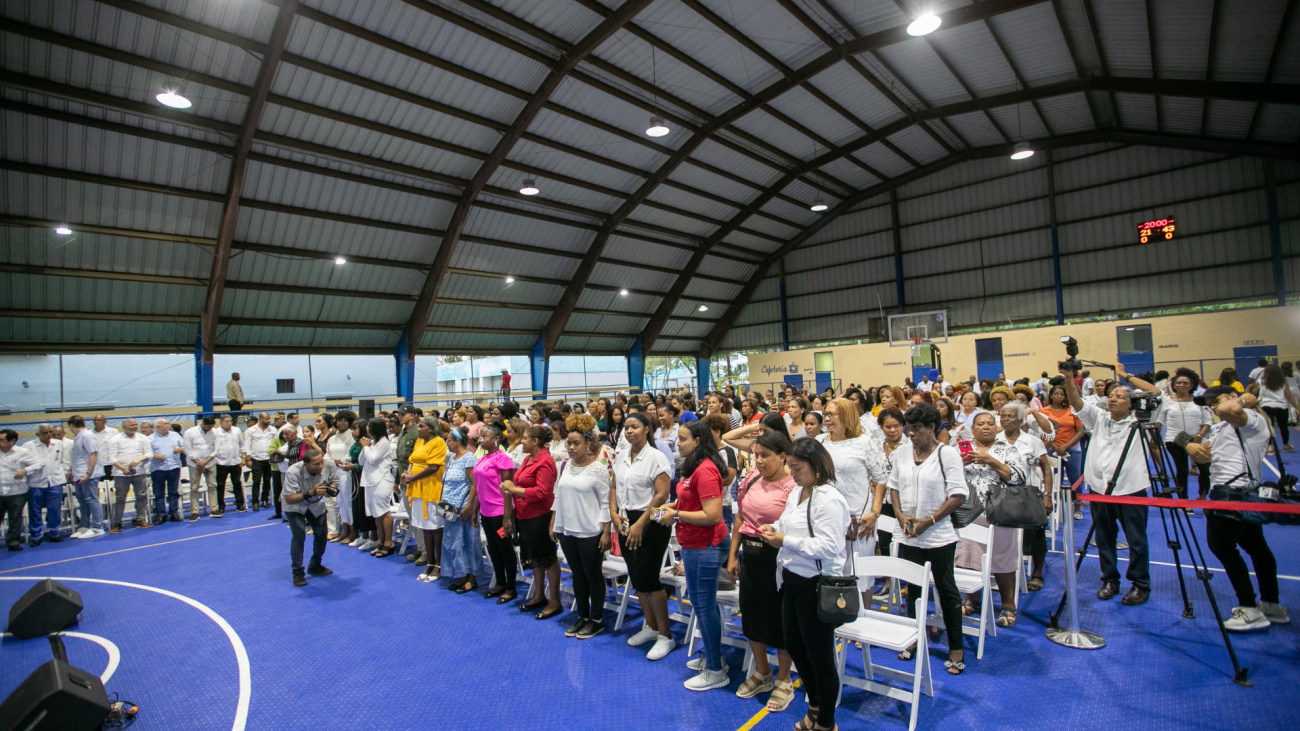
(1110, 431)
(1237, 443)
(305, 486)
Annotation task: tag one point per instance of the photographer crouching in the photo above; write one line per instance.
(1237, 444)
(1110, 430)
(306, 484)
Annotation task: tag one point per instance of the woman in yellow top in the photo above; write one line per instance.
(1228, 377)
(423, 484)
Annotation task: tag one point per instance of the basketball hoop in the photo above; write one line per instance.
(918, 350)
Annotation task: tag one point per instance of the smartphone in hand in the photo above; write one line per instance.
(965, 447)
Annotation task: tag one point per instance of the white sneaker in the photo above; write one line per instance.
(357, 542)
(1275, 613)
(698, 664)
(662, 647)
(79, 533)
(647, 634)
(369, 545)
(709, 679)
(93, 533)
(1246, 619)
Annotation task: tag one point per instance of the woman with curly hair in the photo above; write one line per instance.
(1026, 396)
(533, 490)
(581, 523)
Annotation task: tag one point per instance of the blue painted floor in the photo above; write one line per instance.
(371, 647)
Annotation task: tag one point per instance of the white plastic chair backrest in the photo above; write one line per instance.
(887, 523)
(896, 568)
(975, 532)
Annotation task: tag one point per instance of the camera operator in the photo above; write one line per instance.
(1110, 431)
(306, 485)
(1235, 451)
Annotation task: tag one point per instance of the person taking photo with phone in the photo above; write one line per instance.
(306, 485)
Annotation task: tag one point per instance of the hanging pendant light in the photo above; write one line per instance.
(1022, 151)
(924, 25)
(174, 98)
(818, 205)
(529, 187)
(658, 127)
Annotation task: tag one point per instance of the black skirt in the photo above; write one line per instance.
(646, 560)
(760, 600)
(361, 522)
(536, 549)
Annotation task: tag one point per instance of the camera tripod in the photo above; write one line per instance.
(1154, 454)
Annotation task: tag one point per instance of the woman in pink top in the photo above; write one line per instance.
(761, 499)
(493, 468)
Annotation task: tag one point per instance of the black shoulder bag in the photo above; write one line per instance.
(971, 508)
(1017, 506)
(837, 596)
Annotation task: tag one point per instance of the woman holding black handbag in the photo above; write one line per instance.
(992, 465)
(810, 534)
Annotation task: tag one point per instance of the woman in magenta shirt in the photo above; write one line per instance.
(493, 468)
(533, 488)
(760, 501)
(703, 537)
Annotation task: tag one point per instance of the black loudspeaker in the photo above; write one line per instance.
(366, 409)
(58, 697)
(47, 607)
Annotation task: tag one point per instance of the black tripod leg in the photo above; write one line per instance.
(1197, 557)
(1173, 541)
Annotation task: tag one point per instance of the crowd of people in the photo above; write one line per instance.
(769, 489)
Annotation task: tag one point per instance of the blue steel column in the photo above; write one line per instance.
(702, 373)
(1275, 233)
(898, 250)
(539, 365)
(1056, 241)
(635, 367)
(202, 376)
(405, 368)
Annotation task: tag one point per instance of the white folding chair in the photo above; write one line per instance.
(891, 632)
(729, 609)
(614, 568)
(970, 581)
(402, 525)
(675, 585)
(894, 600)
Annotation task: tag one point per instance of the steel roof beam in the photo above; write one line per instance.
(234, 189)
(1278, 43)
(711, 342)
(1074, 59)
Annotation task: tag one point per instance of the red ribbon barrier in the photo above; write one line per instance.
(1164, 502)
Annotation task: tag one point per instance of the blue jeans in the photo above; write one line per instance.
(298, 525)
(702, 566)
(91, 514)
(462, 554)
(166, 493)
(1073, 465)
(44, 502)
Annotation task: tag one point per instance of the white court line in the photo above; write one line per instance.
(114, 654)
(1185, 566)
(241, 654)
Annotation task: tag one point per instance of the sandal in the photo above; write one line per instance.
(1007, 618)
(907, 654)
(955, 667)
(970, 608)
(806, 723)
(782, 695)
(383, 552)
(1036, 583)
(754, 685)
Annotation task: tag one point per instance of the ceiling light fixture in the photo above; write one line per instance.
(658, 127)
(529, 187)
(340, 260)
(818, 205)
(63, 230)
(510, 280)
(173, 98)
(623, 292)
(924, 25)
(1022, 151)
(704, 308)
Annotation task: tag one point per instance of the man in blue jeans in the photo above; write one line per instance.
(86, 472)
(305, 486)
(45, 488)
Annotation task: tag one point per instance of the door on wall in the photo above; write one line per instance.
(1248, 360)
(988, 358)
(823, 368)
(1136, 351)
(796, 381)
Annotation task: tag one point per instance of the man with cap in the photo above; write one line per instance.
(1235, 452)
(406, 439)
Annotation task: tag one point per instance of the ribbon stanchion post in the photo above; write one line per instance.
(1071, 635)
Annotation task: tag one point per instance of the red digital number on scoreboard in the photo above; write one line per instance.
(1160, 229)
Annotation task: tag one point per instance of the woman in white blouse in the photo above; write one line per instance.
(810, 535)
(337, 448)
(860, 474)
(580, 522)
(376, 460)
(927, 481)
(1185, 423)
(665, 437)
(991, 465)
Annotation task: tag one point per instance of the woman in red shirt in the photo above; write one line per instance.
(533, 489)
(703, 537)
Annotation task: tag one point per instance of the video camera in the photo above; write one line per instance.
(1072, 362)
(1143, 404)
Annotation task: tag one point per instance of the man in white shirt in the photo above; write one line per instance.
(1087, 383)
(200, 454)
(131, 452)
(1110, 431)
(165, 470)
(1258, 371)
(257, 455)
(61, 435)
(45, 487)
(84, 474)
(1235, 450)
(15, 463)
(227, 452)
(105, 435)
